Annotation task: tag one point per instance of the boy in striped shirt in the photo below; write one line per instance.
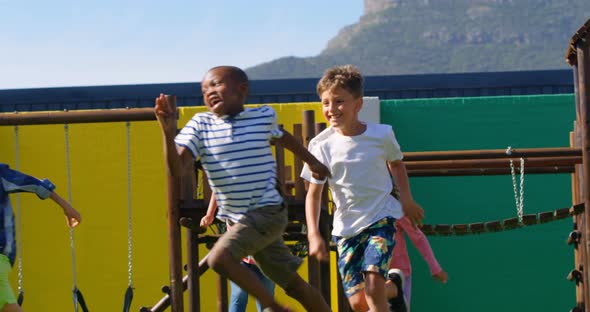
(233, 145)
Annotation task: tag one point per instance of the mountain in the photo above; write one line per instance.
(395, 37)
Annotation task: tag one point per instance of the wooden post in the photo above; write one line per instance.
(174, 239)
(222, 302)
(280, 159)
(313, 266)
(578, 219)
(583, 64)
(298, 165)
(189, 183)
(193, 285)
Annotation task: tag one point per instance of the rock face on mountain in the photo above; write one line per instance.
(444, 36)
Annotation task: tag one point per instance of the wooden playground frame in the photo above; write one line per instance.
(185, 211)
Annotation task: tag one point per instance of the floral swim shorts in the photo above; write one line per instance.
(369, 251)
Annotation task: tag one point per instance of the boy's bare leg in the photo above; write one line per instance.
(358, 302)
(224, 263)
(13, 307)
(390, 289)
(307, 295)
(375, 292)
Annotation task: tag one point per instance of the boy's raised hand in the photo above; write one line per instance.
(165, 111)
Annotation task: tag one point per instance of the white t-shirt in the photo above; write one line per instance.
(360, 182)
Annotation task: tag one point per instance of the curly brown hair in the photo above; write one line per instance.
(347, 77)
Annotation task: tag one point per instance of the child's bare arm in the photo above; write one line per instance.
(319, 170)
(411, 209)
(72, 215)
(421, 243)
(317, 246)
(210, 216)
(177, 159)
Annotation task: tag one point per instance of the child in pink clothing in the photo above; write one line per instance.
(401, 260)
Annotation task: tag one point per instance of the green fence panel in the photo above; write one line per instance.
(517, 270)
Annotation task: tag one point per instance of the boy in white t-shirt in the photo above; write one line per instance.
(360, 157)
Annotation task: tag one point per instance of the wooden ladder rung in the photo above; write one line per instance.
(530, 219)
(477, 227)
(511, 223)
(428, 229)
(443, 229)
(561, 213)
(494, 226)
(546, 216)
(460, 229)
(577, 209)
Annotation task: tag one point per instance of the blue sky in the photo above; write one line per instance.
(79, 43)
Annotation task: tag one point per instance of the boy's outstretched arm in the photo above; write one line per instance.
(317, 246)
(411, 209)
(72, 215)
(15, 181)
(177, 159)
(319, 170)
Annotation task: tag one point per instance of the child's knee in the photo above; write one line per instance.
(216, 258)
(358, 302)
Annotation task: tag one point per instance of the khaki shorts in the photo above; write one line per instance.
(260, 234)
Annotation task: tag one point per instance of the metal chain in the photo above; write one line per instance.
(69, 185)
(518, 192)
(129, 224)
(19, 239)
(521, 201)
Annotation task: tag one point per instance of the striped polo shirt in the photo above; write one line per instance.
(235, 153)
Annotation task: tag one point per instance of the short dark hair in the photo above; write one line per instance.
(236, 73)
(347, 77)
